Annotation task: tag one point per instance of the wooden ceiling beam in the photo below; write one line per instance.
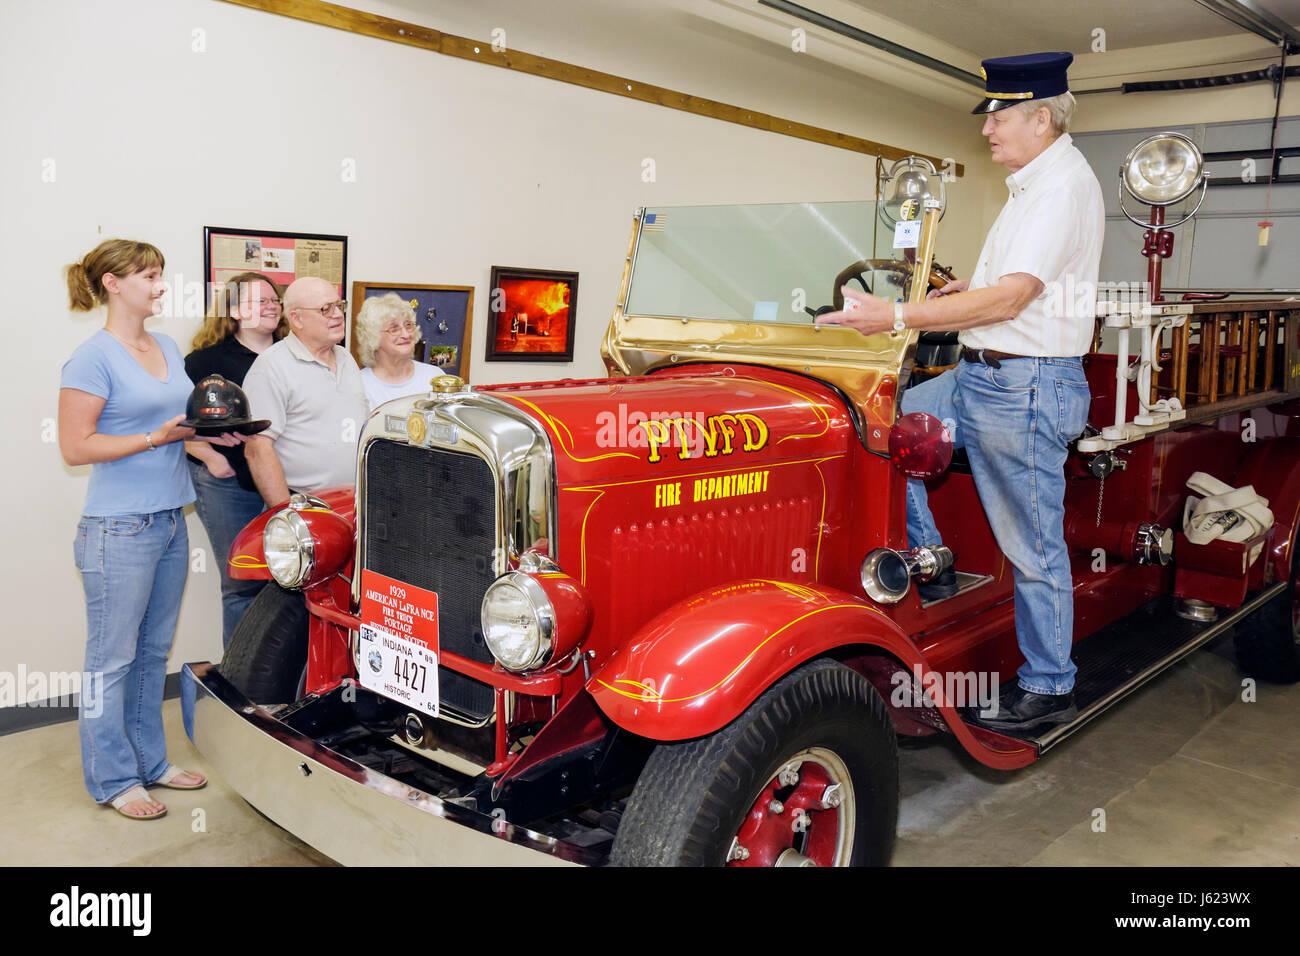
(411, 34)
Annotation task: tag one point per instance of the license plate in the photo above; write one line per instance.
(399, 642)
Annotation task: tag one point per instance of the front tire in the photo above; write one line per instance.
(807, 775)
(268, 651)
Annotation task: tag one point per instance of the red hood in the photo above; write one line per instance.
(731, 416)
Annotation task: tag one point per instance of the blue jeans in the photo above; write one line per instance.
(224, 508)
(133, 572)
(1015, 423)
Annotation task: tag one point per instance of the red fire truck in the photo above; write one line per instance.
(668, 616)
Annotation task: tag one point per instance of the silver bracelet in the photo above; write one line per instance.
(148, 440)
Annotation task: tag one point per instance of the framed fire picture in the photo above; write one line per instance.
(444, 313)
(282, 256)
(531, 314)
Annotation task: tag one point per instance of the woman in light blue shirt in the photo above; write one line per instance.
(121, 401)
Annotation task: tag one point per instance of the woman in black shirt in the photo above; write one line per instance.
(245, 320)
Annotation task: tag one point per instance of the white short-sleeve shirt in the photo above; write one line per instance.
(1051, 228)
(316, 414)
(379, 391)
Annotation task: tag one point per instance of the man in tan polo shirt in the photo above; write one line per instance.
(310, 388)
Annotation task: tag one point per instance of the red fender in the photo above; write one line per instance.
(701, 662)
(697, 665)
(1273, 468)
(247, 561)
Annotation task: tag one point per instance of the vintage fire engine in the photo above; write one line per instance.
(666, 617)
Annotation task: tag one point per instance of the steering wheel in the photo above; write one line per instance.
(900, 272)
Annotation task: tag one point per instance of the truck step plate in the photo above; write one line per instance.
(1121, 657)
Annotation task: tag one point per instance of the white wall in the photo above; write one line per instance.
(1167, 109)
(459, 167)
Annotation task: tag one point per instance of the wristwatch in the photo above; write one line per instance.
(899, 324)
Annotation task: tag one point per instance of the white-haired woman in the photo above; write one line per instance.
(386, 337)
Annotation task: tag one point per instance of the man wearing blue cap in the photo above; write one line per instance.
(1019, 395)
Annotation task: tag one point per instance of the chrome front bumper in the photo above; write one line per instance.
(348, 812)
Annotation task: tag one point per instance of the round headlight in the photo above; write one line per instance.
(1162, 169)
(518, 622)
(287, 544)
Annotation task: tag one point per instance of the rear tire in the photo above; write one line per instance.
(753, 780)
(1266, 642)
(268, 651)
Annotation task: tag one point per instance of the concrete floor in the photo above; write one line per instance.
(1187, 774)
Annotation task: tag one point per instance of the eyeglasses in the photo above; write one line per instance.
(397, 328)
(265, 302)
(325, 310)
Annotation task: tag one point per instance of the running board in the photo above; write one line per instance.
(1121, 657)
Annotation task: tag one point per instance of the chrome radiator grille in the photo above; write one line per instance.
(430, 521)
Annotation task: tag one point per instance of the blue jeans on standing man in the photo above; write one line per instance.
(133, 571)
(224, 508)
(1015, 423)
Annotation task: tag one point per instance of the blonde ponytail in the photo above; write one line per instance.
(120, 257)
(81, 294)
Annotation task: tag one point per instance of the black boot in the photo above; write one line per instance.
(944, 586)
(1024, 711)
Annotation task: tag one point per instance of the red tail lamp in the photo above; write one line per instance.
(919, 446)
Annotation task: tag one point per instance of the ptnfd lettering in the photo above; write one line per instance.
(718, 434)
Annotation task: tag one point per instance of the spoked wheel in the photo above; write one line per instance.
(807, 775)
(804, 816)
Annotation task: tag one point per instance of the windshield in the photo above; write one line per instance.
(757, 263)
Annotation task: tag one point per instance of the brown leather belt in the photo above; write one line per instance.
(990, 357)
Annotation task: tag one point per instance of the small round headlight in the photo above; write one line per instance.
(287, 543)
(518, 622)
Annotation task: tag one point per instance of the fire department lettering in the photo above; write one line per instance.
(718, 486)
(730, 486)
(717, 433)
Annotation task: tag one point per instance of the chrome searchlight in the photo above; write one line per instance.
(1159, 171)
(1162, 170)
(906, 187)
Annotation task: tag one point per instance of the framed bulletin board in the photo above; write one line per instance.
(282, 256)
(445, 314)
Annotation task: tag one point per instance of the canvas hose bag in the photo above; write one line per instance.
(1233, 514)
